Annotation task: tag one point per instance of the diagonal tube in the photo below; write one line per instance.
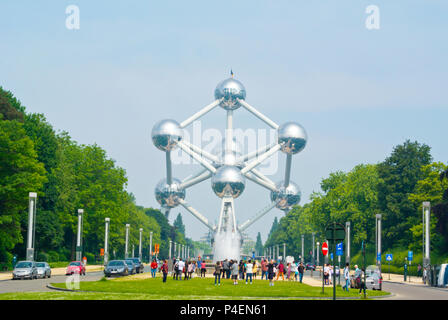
(260, 214)
(260, 159)
(258, 114)
(197, 157)
(191, 182)
(195, 213)
(200, 113)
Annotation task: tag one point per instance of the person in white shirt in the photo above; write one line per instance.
(346, 277)
(249, 270)
(180, 268)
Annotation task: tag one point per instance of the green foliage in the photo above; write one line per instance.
(179, 224)
(259, 245)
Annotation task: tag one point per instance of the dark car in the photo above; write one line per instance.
(138, 265)
(310, 266)
(131, 266)
(116, 267)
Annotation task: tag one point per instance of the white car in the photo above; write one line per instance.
(43, 270)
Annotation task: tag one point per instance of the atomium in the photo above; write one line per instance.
(166, 134)
(228, 182)
(228, 168)
(168, 195)
(286, 197)
(293, 137)
(230, 90)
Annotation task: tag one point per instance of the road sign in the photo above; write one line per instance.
(378, 256)
(410, 256)
(340, 249)
(389, 257)
(335, 232)
(331, 256)
(156, 248)
(101, 252)
(324, 248)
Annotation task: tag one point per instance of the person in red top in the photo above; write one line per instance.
(164, 269)
(281, 271)
(153, 268)
(264, 269)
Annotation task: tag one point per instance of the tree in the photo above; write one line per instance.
(259, 245)
(179, 225)
(399, 174)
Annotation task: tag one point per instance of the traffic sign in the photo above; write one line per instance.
(331, 256)
(378, 256)
(389, 257)
(410, 256)
(101, 252)
(340, 249)
(324, 248)
(335, 232)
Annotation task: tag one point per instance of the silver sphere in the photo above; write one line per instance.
(168, 195)
(229, 157)
(228, 181)
(294, 137)
(166, 134)
(286, 197)
(230, 90)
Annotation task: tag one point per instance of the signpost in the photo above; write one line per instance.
(389, 258)
(339, 253)
(334, 232)
(410, 258)
(324, 253)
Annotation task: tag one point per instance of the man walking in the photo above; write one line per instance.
(164, 269)
(249, 271)
(264, 269)
(301, 270)
(180, 269)
(281, 270)
(346, 277)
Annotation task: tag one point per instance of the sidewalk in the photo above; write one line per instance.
(54, 271)
(399, 278)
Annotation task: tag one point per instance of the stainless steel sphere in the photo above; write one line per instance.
(294, 137)
(286, 197)
(230, 90)
(168, 195)
(229, 157)
(166, 134)
(228, 181)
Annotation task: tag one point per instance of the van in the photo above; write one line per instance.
(442, 279)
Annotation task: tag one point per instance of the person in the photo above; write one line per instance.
(217, 272)
(326, 274)
(153, 268)
(271, 272)
(164, 269)
(180, 269)
(255, 269)
(241, 269)
(194, 267)
(363, 284)
(281, 270)
(198, 268)
(301, 270)
(190, 269)
(249, 271)
(424, 275)
(346, 277)
(264, 269)
(295, 270)
(419, 270)
(203, 269)
(330, 274)
(357, 276)
(288, 271)
(175, 265)
(234, 270)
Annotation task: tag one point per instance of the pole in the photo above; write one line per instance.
(364, 263)
(106, 241)
(126, 254)
(150, 247)
(140, 244)
(347, 236)
(31, 223)
(313, 259)
(333, 246)
(169, 252)
(303, 249)
(379, 242)
(79, 236)
(284, 251)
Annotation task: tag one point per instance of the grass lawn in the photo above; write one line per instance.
(195, 289)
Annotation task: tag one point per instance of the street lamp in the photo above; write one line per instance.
(347, 230)
(31, 225)
(140, 244)
(106, 241)
(303, 244)
(126, 254)
(79, 236)
(150, 247)
(426, 236)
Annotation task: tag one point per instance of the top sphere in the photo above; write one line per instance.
(230, 90)
(166, 134)
(293, 136)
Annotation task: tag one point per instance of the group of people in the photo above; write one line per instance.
(249, 270)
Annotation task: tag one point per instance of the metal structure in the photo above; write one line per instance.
(31, 226)
(106, 240)
(426, 206)
(79, 235)
(126, 244)
(229, 169)
(378, 240)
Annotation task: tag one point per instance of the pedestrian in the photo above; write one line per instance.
(330, 274)
(255, 269)
(217, 273)
(190, 269)
(203, 269)
(264, 269)
(234, 271)
(301, 270)
(175, 267)
(241, 269)
(419, 270)
(288, 271)
(153, 268)
(363, 284)
(424, 275)
(164, 269)
(271, 272)
(198, 269)
(180, 269)
(294, 270)
(249, 271)
(346, 277)
(281, 270)
(185, 270)
(326, 273)
(357, 277)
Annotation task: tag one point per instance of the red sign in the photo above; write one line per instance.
(324, 248)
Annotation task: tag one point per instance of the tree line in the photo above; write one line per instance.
(394, 188)
(66, 176)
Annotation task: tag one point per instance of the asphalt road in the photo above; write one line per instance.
(403, 291)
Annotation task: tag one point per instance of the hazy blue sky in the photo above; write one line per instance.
(357, 92)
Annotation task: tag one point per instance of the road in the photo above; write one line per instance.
(403, 291)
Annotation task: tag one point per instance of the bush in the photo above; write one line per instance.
(90, 257)
(42, 256)
(53, 256)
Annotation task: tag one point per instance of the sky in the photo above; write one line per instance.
(358, 92)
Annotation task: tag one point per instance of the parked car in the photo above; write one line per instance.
(374, 282)
(131, 266)
(442, 278)
(76, 267)
(43, 270)
(25, 270)
(310, 266)
(138, 265)
(116, 267)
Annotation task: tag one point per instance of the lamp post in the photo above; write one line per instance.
(126, 254)
(150, 247)
(303, 249)
(169, 251)
(79, 236)
(140, 243)
(378, 244)
(31, 225)
(426, 207)
(313, 260)
(284, 251)
(106, 240)
(347, 236)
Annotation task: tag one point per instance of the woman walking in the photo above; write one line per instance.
(271, 268)
(164, 269)
(234, 270)
(203, 269)
(217, 272)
